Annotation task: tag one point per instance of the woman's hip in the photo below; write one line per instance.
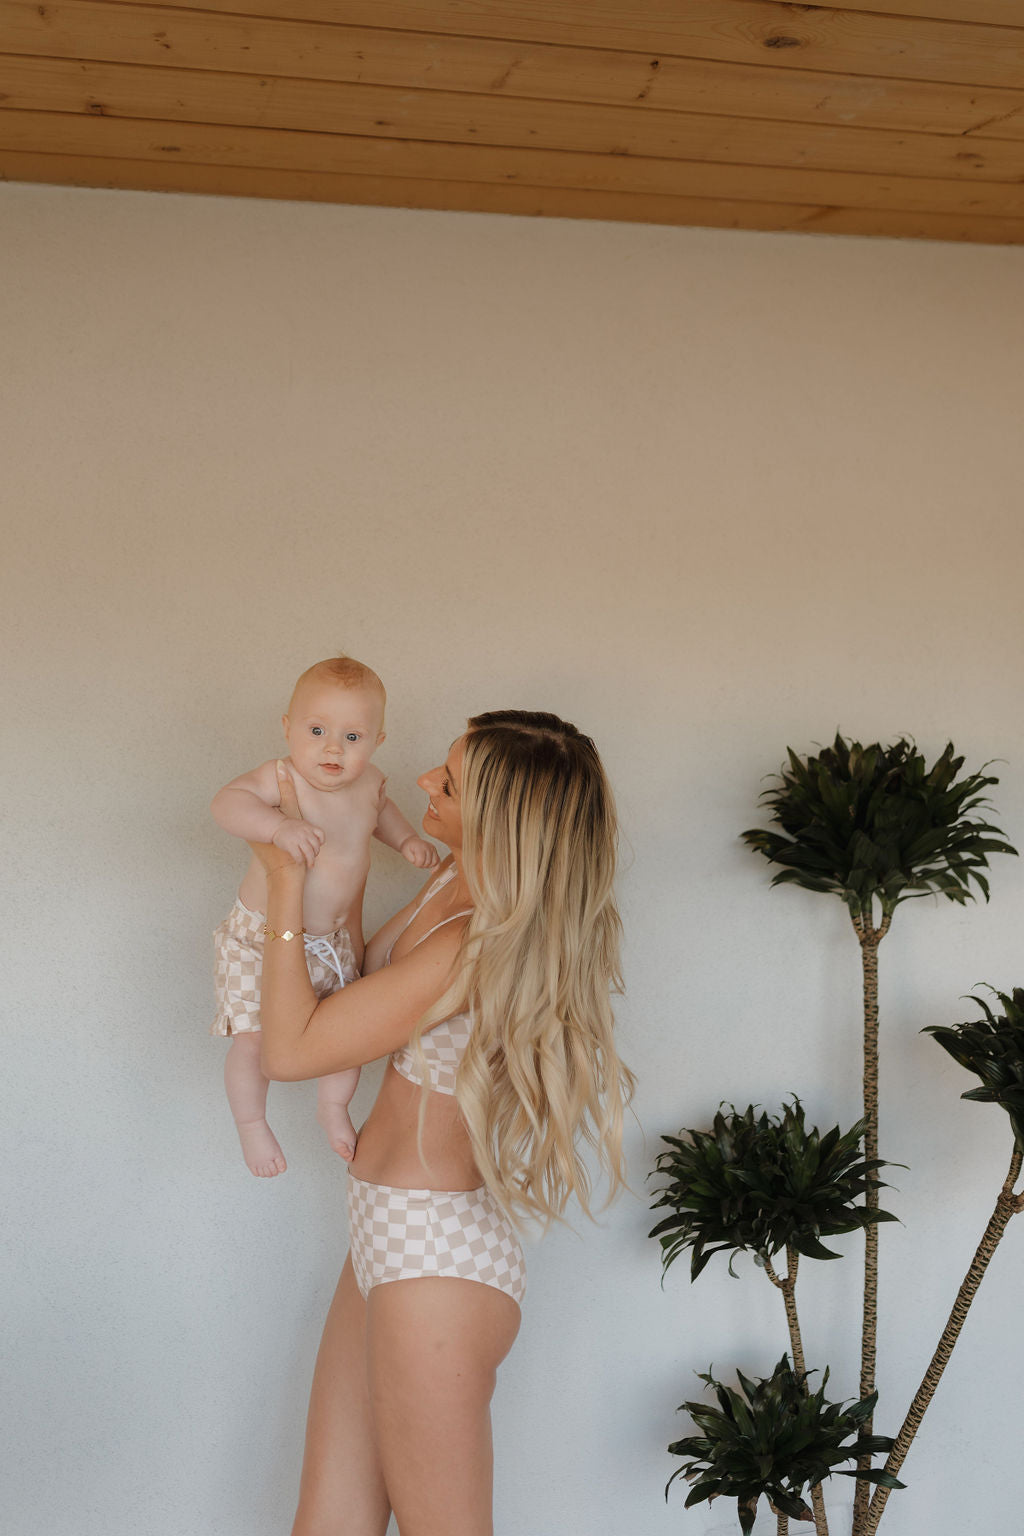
(403, 1234)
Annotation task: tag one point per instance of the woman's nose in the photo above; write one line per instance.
(425, 779)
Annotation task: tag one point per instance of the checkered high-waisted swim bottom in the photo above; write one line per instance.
(401, 1234)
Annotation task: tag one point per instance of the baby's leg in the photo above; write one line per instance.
(247, 1094)
(333, 1095)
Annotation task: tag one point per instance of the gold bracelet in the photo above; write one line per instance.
(269, 933)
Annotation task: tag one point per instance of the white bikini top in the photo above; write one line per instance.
(443, 1045)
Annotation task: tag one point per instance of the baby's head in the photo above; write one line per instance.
(335, 721)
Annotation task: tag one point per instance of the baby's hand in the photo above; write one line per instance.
(301, 839)
(419, 852)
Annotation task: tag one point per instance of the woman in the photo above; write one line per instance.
(491, 995)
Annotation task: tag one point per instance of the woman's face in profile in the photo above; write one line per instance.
(442, 819)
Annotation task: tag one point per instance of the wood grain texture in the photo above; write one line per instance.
(850, 118)
(133, 91)
(539, 202)
(274, 149)
(792, 36)
(995, 13)
(175, 38)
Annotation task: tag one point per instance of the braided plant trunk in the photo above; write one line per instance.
(782, 1525)
(788, 1289)
(1007, 1205)
(869, 937)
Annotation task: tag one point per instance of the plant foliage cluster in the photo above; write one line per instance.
(775, 1437)
(877, 822)
(761, 1183)
(993, 1049)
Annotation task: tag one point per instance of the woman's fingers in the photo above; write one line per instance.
(289, 799)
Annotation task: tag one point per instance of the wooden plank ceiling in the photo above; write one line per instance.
(873, 117)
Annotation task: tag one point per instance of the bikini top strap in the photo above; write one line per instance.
(431, 891)
(441, 924)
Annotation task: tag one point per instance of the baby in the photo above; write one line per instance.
(334, 724)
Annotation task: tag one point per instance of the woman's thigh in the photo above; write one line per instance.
(342, 1491)
(433, 1349)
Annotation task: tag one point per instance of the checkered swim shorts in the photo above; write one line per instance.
(238, 966)
(401, 1234)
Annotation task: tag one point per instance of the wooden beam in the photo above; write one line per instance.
(398, 192)
(792, 36)
(175, 95)
(277, 149)
(104, 30)
(540, 202)
(993, 13)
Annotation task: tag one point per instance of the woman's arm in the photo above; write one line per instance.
(367, 1019)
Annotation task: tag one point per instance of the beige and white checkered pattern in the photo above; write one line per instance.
(443, 1048)
(401, 1234)
(238, 966)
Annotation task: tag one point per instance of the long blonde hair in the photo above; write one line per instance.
(539, 962)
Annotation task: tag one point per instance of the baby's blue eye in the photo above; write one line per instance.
(317, 730)
(352, 736)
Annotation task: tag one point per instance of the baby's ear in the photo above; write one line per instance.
(380, 737)
(284, 725)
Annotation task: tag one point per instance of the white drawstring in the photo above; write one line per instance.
(319, 945)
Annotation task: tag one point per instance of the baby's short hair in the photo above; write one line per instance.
(344, 672)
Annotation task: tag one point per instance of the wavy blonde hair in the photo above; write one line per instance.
(538, 965)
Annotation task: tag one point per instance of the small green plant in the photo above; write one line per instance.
(773, 1437)
(759, 1183)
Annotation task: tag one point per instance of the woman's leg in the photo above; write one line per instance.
(247, 1094)
(342, 1491)
(433, 1349)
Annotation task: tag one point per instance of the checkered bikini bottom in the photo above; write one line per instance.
(401, 1234)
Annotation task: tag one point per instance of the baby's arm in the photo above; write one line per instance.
(393, 829)
(249, 807)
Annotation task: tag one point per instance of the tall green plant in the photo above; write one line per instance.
(992, 1047)
(876, 826)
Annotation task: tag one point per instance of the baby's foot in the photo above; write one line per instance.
(341, 1133)
(263, 1155)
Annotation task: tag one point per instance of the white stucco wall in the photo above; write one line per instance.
(704, 493)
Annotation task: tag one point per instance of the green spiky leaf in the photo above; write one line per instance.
(772, 1437)
(876, 824)
(992, 1047)
(758, 1183)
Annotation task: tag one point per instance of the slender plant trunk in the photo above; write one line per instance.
(781, 1525)
(869, 937)
(788, 1289)
(1006, 1206)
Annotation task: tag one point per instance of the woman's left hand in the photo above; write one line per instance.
(270, 856)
